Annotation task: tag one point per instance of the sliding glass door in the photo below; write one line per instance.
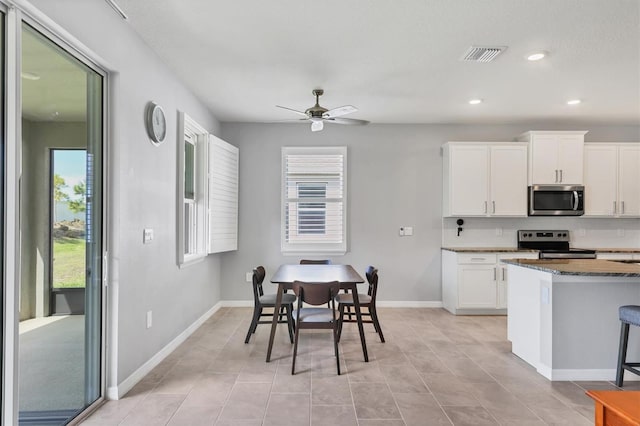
(61, 249)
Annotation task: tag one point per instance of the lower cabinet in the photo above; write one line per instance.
(476, 283)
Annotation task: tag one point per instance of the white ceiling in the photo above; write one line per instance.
(398, 61)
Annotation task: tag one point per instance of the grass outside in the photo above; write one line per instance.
(69, 262)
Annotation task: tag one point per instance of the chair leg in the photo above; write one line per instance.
(335, 345)
(295, 351)
(376, 323)
(341, 309)
(622, 353)
(254, 323)
(290, 322)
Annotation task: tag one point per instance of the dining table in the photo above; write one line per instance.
(346, 275)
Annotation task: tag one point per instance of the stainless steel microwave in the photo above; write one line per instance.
(556, 200)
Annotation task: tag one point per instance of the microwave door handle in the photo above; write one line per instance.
(575, 200)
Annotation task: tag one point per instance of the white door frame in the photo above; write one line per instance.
(18, 11)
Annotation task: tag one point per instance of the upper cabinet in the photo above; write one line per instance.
(485, 179)
(612, 179)
(555, 157)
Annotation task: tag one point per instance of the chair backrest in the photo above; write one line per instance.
(258, 278)
(372, 278)
(316, 293)
(315, 262)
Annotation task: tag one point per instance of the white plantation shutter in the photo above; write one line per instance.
(223, 196)
(314, 199)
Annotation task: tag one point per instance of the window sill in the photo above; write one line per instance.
(191, 260)
(313, 252)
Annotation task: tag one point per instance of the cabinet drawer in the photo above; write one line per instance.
(474, 258)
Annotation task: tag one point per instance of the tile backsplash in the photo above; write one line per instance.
(502, 232)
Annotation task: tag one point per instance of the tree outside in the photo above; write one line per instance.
(68, 233)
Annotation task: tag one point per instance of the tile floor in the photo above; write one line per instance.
(434, 369)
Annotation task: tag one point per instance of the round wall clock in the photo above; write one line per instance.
(156, 123)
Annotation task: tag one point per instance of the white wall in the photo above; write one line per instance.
(394, 179)
(142, 181)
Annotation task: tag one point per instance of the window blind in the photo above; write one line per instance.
(223, 196)
(314, 188)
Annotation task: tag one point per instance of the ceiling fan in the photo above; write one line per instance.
(318, 115)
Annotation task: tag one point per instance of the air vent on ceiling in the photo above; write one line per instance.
(482, 53)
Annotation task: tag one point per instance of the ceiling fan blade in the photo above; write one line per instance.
(293, 110)
(288, 120)
(316, 126)
(351, 121)
(340, 111)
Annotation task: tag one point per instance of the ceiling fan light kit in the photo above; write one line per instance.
(318, 114)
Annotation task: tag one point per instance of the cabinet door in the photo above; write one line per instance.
(614, 256)
(629, 180)
(468, 180)
(600, 179)
(571, 159)
(508, 181)
(503, 288)
(477, 286)
(544, 160)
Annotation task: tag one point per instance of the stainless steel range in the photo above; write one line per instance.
(552, 245)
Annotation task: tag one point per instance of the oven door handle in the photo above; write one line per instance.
(575, 200)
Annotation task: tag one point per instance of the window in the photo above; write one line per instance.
(191, 191)
(207, 193)
(314, 200)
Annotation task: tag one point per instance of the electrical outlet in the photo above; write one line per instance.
(149, 319)
(498, 232)
(248, 277)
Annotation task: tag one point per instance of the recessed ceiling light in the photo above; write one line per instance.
(536, 56)
(475, 101)
(30, 75)
(574, 102)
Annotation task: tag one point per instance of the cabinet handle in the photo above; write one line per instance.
(481, 259)
(614, 208)
(560, 175)
(495, 274)
(494, 206)
(504, 271)
(556, 176)
(621, 207)
(485, 207)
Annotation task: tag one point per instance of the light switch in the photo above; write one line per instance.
(147, 236)
(408, 230)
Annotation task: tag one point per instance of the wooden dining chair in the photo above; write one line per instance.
(315, 262)
(366, 301)
(261, 301)
(315, 294)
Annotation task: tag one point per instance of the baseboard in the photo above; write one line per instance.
(590, 375)
(379, 303)
(117, 392)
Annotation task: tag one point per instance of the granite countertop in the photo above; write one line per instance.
(488, 250)
(587, 267)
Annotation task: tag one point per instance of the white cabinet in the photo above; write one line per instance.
(476, 283)
(555, 157)
(612, 179)
(485, 179)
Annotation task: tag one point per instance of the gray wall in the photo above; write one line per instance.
(394, 179)
(142, 183)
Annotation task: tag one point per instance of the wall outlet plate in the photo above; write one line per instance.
(149, 319)
(248, 277)
(147, 235)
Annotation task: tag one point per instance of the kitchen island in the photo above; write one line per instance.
(563, 315)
